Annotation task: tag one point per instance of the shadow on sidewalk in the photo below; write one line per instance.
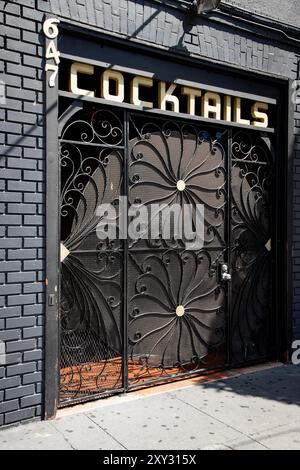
(280, 384)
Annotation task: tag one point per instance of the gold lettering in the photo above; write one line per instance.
(227, 108)
(261, 119)
(85, 69)
(237, 113)
(135, 85)
(120, 88)
(211, 106)
(192, 94)
(165, 96)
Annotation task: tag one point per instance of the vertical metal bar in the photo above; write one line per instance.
(282, 266)
(288, 235)
(229, 248)
(52, 250)
(277, 261)
(125, 259)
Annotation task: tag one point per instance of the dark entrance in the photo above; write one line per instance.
(134, 313)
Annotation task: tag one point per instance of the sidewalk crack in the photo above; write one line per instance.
(62, 434)
(106, 432)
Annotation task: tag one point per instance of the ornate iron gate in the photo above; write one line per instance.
(252, 322)
(136, 312)
(92, 158)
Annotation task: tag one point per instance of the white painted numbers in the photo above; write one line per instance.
(296, 353)
(52, 54)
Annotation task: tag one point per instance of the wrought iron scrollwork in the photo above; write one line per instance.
(99, 126)
(92, 178)
(179, 163)
(172, 299)
(91, 278)
(251, 216)
(176, 317)
(91, 343)
(176, 308)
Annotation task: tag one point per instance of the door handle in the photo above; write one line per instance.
(225, 276)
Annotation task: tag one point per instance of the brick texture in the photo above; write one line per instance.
(23, 201)
(22, 154)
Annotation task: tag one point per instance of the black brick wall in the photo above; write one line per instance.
(22, 208)
(22, 161)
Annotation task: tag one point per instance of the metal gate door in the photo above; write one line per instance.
(252, 313)
(176, 304)
(91, 289)
(139, 311)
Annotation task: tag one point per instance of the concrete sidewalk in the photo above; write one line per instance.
(253, 410)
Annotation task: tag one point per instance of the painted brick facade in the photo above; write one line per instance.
(22, 213)
(22, 161)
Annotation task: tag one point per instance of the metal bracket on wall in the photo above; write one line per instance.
(52, 300)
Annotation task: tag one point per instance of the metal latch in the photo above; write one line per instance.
(51, 300)
(225, 276)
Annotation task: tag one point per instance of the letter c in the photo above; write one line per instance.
(76, 68)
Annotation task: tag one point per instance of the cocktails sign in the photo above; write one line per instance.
(148, 93)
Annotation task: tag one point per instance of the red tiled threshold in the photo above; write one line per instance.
(167, 387)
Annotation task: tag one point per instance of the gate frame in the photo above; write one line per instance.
(283, 203)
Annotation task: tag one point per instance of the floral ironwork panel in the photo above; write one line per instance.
(179, 163)
(175, 300)
(176, 314)
(91, 288)
(91, 314)
(251, 217)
